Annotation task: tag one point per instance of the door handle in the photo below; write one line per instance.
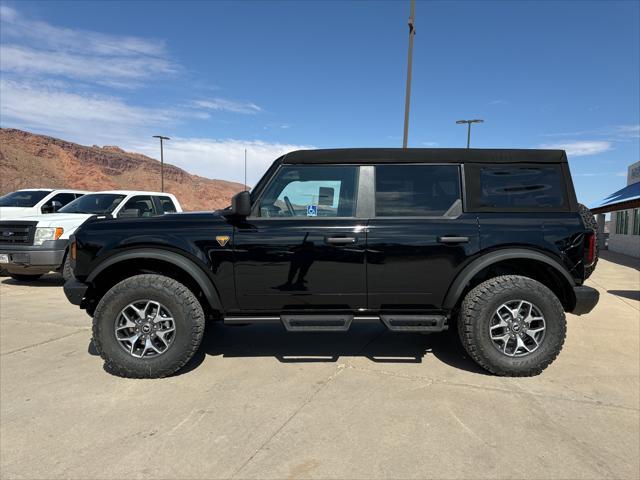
(340, 240)
(452, 240)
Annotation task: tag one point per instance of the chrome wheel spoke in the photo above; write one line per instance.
(517, 328)
(145, 328)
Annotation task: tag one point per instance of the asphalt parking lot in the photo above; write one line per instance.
(260, 403)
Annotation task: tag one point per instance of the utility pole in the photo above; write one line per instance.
(245, 169)
(407, 99)
(469, 122)
(161, 160)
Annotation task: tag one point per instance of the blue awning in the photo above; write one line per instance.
(626, 194)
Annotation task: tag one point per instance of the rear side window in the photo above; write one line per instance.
(167, 205)
(416, 190)
(515, 188)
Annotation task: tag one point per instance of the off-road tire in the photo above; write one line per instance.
(187, 313)
(67, 271)
(478, 308)
(24, 277)
(590, 221)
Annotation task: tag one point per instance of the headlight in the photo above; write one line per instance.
(48, 233)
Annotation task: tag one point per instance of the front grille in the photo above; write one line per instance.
(17, 232)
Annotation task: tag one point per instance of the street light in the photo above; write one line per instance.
(407, 98)
(469, 122)
(161, 160)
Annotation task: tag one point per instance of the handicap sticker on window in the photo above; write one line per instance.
(312, 210)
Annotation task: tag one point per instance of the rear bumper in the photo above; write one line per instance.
(586, 299)
(75, 291)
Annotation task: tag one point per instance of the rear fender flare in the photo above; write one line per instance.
(464, 277)
(180, 261)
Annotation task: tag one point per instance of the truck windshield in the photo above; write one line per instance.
(23, 198)
(94, 203)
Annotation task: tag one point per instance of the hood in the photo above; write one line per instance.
(7, 213)
(68, 221)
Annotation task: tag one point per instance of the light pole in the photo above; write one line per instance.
(161, 160)
(469, 122)
(407, 99)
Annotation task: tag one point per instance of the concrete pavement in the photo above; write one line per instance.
(259, 403)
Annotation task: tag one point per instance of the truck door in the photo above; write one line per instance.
(419, 236)
(303, 246)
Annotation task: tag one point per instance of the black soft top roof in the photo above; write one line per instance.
(424, 155)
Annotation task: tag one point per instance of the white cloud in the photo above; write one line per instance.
(615, 132)
(223, 158)
(221, 104)
(38, 48)
(430, 144)
(579, 149)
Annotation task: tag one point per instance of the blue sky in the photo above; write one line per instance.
(219, 77)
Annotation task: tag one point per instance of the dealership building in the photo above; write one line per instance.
(624, 206)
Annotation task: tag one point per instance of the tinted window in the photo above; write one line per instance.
(167, 205)
(63, 198)
(140, 206)
(521, 187)
(95, 203)
(416, 190)
(311, 191)
(25, 198)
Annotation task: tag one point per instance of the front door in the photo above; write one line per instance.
(418, 238)
(303, 247)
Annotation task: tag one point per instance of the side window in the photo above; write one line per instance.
(56, 202)
(63, 198)
(416, 190)
(516, 187)
(167, 205)
(311, 191)
(140, 206)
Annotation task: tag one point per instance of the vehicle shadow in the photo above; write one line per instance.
(620, 259)
(630, 294)
(371, 341)
(51, 280)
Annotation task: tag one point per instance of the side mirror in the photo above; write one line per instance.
(51, 207)
(241, 204)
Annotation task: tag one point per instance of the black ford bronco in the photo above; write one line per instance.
(490, 241)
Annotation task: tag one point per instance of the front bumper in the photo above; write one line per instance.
(586, 299)
(75, 291)
(34, 259)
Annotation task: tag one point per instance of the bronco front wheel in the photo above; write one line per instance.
(147, 326)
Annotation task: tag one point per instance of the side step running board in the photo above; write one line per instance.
(317, 323)
(414, 323)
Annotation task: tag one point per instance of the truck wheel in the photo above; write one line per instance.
(147, 326)
(590, 221)
(512, 325)
(23, 277)
(67, 272)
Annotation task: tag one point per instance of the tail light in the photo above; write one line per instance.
(590, 248)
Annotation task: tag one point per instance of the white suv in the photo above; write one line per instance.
(34, 245)
(35, 201)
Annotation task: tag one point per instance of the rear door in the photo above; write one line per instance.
(304, 246)
(419, 236)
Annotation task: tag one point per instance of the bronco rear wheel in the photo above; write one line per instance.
(512, 325)
(147, 326)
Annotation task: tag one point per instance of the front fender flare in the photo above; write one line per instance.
(180, 261)
(464, 277)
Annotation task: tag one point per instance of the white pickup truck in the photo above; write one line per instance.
(34, 245)
(34, 201)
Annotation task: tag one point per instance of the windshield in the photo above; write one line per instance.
(24, 198)
(94, 203)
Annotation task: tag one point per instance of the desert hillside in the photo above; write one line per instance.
(28, 161)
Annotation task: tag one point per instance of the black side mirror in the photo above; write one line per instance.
(241, 204)
(51, 207)
(129, 213)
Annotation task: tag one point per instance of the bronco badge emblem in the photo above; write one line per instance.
(222, 240)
